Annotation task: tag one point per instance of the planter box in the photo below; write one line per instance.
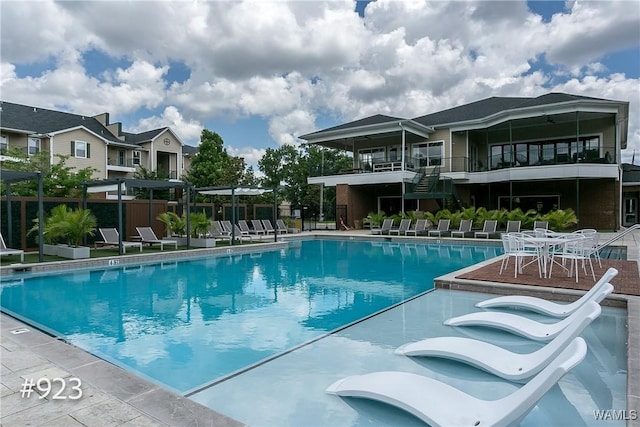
(50, 249)
(78, 252)
(196, 242)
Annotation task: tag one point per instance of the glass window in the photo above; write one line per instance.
(521, 155)
(136, 158)
(4, 144)
(81, 149)
(34, 146)
(428, 153)
(121, 158)
(369, 156)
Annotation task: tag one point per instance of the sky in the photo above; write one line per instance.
(261, 73)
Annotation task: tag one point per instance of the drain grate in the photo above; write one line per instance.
(19, 331)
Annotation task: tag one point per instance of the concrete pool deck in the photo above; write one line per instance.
(111, 396)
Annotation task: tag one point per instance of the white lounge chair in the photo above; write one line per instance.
(463, 229)
(550, 308)
(488, 228)
(513, 226)
(384, 229)
(281, 226)
(420, 228)
(439, 404)
(402, 229)
(443, 227)
(147, 235)
(4, 250)
(268, 227)
(521, 325)
(257, 227)
(496, 360)
(111, 237)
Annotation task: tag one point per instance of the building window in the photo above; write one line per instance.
(428, 153)
(4, 144)
(570, 150)
(34, 146)
(369, 156)
(80, 149)
(121, 158)
(136, 158)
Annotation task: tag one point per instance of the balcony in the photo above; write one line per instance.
(121, 165)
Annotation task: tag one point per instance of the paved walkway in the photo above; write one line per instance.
(113, 397)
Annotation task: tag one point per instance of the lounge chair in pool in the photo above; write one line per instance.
(521, 325)
(488, 229)
(496, 360)
(4, 250)
(384, 229)
(148, 236)
(463, 229)
(281, 226)
(443, 227)
(420, 228)
(550, 308)
(439, 404)
(402, 229)
(111, 237)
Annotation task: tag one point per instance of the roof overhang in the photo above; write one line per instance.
(105, 185)
(236, 191)
(24, 131)
(585, 106)
(368, 130)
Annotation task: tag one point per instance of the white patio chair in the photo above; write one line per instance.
(281, 226)
(268, 227)
(257, 227)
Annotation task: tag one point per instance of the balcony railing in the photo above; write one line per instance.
(126, 163)
(499, 162)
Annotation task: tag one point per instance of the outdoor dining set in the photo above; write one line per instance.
(546, 249)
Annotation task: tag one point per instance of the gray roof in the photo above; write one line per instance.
(189, 150)
(42, 121)
(473, 111)
(367, 121)
(489, 106)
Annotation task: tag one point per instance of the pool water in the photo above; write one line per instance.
(188, 324)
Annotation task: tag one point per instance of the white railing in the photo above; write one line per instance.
(619, 236)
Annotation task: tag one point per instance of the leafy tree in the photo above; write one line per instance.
(213, 166)
(58, 179)
(145, 193)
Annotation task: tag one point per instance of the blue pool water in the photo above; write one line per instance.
(189, 323)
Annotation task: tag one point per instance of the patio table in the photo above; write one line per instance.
(547, 243)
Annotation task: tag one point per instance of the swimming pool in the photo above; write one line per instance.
(187, 324)
(147, 314)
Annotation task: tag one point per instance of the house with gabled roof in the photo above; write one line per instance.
(554, 151)
(90, 141)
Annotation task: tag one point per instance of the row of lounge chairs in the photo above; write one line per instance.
(440, 404)
(421, 227)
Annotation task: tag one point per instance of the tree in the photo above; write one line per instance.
(289, 168)
(145, 193)
(58, 179)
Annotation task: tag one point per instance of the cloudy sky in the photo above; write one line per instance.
(260, 73)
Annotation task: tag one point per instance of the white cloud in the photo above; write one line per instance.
(292, 62)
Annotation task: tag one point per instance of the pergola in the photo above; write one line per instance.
(121, 184)
(16, 176)
(234, 191)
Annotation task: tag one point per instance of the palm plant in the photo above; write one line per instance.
(79, 223)
(174, 224)
(375, 219)
(200, 223)
(561, 219)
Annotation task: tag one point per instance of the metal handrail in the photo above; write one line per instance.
(618, 236)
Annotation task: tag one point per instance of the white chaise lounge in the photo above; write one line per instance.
(550, 308)
(497, 360)
(439, 404)
(521, 325)
(148, 236)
